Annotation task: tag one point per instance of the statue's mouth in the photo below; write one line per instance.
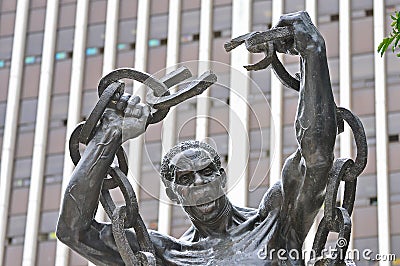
(207, 207)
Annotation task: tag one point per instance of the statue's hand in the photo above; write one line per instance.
(130, 117)
(307, 39)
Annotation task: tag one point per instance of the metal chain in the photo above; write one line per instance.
(337, 218)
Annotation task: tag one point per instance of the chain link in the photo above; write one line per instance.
(338, 219)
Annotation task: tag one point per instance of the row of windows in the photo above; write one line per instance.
(92, 51)
(362, 71)
(64, 42)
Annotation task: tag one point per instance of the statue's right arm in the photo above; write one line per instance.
(76, 226)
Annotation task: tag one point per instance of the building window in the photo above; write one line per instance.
(29, 60)
(394, 138)
(154, 43)
(2, 63)
(122, 46)
(92, 51)
(186, 38)
(61, 55)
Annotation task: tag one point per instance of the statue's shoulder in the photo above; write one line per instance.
(245, 212)
(272, 199)
(162, 241)
(190, 235)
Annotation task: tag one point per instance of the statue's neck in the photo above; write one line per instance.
(217, 226)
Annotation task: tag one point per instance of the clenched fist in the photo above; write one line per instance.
(129, 117)
(306, 40)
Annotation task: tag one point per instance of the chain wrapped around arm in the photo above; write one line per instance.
(336, 218)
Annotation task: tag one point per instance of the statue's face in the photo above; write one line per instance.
(198, 184)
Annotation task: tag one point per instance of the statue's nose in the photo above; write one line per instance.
(199, 180)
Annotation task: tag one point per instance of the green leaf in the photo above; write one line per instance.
(394, 36)
(381, 47)
(397, 41)
(398, 21)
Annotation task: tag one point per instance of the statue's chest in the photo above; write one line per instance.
(216, 252)
(244, 246)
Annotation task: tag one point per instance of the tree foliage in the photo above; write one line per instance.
(394, 37)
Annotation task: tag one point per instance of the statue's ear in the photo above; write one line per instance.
(223, 176)
(171, 195)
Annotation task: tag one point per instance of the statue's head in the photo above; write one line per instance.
(193, 176)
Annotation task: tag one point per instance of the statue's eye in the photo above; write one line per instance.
(185, 179)
(207, 171)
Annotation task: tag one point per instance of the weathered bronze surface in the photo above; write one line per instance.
(221, 233)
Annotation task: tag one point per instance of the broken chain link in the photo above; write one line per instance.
(263, 42)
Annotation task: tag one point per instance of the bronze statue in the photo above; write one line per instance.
(221, 233)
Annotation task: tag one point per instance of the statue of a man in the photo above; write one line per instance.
(221, 233)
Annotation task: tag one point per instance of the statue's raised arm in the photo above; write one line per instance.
(76, 226)
(305, 172)
(311, 170)
(116, 118)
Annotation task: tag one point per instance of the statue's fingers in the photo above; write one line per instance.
(132, 102)
(297, 20)
(145, 111)
(284, 46)
(123, 101)
(137, 111)
(291, 19)
(285, 20)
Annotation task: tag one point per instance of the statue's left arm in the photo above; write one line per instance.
(304, 175)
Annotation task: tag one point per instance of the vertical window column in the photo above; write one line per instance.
(141, 51)
(312, 10)
(110, 46)
(41, 130)
(239, 146)
(381, 134)
(203, 101)
(110, 40)
(11, 120)
(169, 123)
(74, 105)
